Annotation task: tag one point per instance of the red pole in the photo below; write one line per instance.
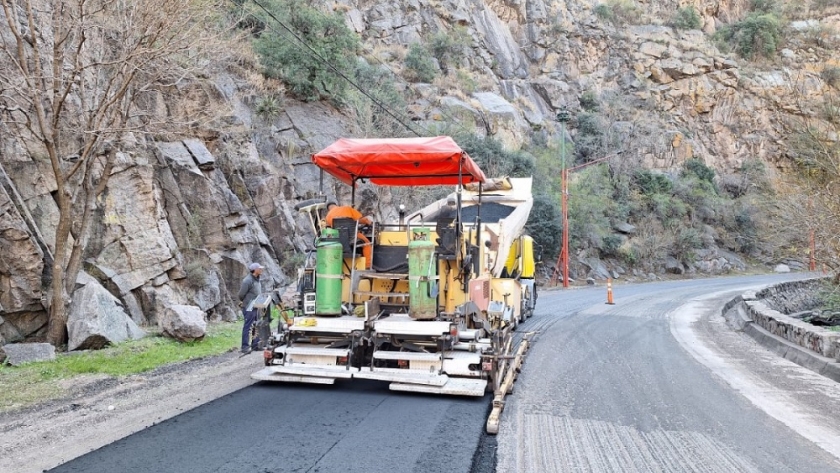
(565, 251)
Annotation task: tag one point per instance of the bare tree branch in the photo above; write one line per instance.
(70, 79)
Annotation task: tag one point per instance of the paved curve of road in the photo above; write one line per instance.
(608, 388)
(604, 389)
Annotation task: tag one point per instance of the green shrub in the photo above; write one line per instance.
(746, 229)
(687, 18)
(765, 6)
(196, 274)
(419, 64)
(611, 244)
(629, 255)
(625, 12)
(589, 101)
(650, 183)
(268, 106)
(603, 11)
(466, 81)
(831, 76)
(547, 169)
(686, 241)
(450, 48)
(829, 296)
(620, 12)
(545, 225)
(696, 167)
(667, 208)
(591, 207)
(283, 57)
(699, 195)
(759, 34)
(589, 140)
(589, 124)
(494, 159)
(378, 84)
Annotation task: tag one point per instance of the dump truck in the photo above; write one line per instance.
(435, 309)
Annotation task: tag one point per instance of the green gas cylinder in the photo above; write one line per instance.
(328, 263)
(422, 304)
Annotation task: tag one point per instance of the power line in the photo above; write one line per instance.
(334, 69)
(452, 119)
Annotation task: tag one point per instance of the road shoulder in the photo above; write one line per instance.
(45, 436)
(806, 402)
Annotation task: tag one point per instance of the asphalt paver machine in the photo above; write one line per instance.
(435, 309)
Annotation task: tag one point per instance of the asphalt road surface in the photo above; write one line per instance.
(618, 388)
(605, 388)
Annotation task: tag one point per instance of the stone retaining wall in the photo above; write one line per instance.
(769, 308)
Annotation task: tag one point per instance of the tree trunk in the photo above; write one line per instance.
(57, 329)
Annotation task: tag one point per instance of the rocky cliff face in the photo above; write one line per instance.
(181, 219)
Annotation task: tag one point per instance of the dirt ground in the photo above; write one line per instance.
(100, 410)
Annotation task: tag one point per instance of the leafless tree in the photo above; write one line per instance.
(815, 152)
(74, 76)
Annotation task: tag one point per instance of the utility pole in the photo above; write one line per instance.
(563, 260)
(563, 116)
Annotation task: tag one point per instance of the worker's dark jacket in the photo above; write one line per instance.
(249, 290)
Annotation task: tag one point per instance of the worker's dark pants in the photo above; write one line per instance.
(250, 319)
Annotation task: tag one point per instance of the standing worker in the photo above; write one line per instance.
(248, 291)
(335, 211)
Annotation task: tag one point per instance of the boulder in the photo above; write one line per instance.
(597, 268)
(19, 353)
(782, 268)
(97, 319)
(625, 228)
(185, 323)
(672, 265)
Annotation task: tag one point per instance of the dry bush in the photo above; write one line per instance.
(822, 35)
(652, 242)
(812, 196)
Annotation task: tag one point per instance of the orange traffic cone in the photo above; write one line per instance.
(609, 292)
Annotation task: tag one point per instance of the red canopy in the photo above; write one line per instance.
(399, 161)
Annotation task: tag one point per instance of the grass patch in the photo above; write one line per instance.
(35, 382)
